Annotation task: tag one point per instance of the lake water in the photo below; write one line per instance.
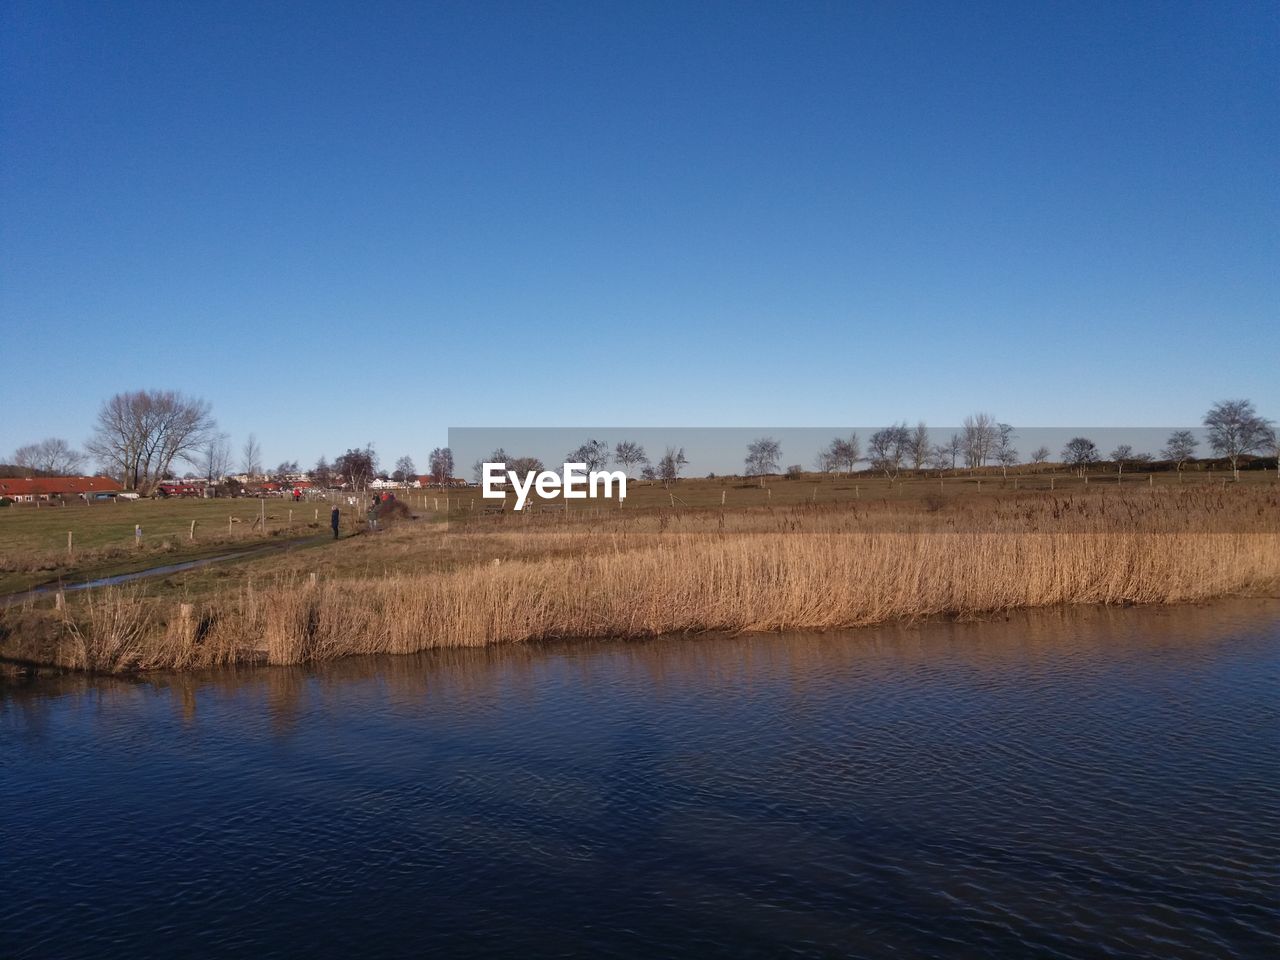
(1096, 783)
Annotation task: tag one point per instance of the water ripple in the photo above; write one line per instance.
(1055, 785)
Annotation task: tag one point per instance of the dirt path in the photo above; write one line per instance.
(52, 587)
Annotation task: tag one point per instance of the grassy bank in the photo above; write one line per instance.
(626, 575)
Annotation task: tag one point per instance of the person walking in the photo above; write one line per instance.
(333, 521)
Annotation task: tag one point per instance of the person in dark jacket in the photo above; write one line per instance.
(333, 522)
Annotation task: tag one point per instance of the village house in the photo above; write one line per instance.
(426, 480)
(33, 489)
(182, 488)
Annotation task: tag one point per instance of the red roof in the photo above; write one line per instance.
(47, 486)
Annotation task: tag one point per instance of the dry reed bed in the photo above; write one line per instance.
(810, 570)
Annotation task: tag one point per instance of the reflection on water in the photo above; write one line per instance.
(1080, 783)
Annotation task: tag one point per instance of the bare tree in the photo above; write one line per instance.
(405, 471)
(672, 462)
(842, 453)
(627, 454)
(523, 466)
(919, 447)
(763, 456)
(251, 458)
(50, 456)
(593, 453)
(1235, 429)
(955, 447)
(322, 474)
(440, 464)
(477, 468)
(138, 435)
(1040, 455)
(1006, 453)
(1179, 448)
(941, 458)
(357, 466)
(1120, 456)
(980, 435)
(215, 457)
(1079, 453)
(886, 449)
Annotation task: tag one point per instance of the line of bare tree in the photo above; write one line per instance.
(139, 436)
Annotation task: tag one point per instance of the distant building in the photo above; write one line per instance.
(31, 489)
(181, 488)
(429, 481)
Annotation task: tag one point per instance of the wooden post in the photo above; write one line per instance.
(317, 516)
(229, 521)
(1051, 483)
(313, 578)
(263, 515)
(59, 600)
(137, 534)
(192, 535)
(68, 543)
(290, 518)
(722, 493)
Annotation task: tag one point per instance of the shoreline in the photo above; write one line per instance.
(412, 588)
(32, 676)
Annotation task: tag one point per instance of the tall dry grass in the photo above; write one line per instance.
(800, 570)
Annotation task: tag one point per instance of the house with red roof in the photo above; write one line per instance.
(32, 489)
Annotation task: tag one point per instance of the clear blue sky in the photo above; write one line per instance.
(351, 222)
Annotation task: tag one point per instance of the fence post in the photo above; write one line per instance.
(68, 543)
(192, 535)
